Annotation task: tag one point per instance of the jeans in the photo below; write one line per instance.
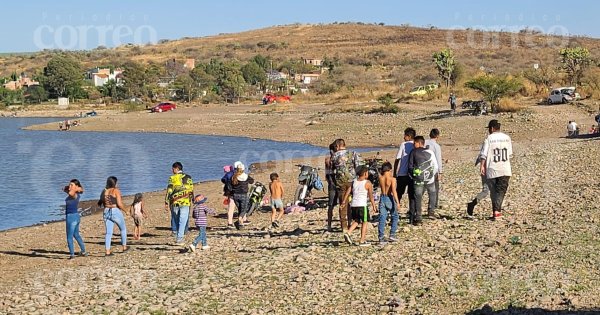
(436, 204)
(174, 220)
(182, 215)
(114, 216)
(485, 190)
(404, 182)
(201, 238)
(498, 187)
(387, 205)
(419, 192)
(73, 220)
(241, 202)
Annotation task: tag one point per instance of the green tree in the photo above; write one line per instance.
(112, 90)
(262, 61)
(36, 94)
(62, 76)
(493, 88)
(135, 79)
(231, 83)
(186, 87)
(575, 61)
(445, 65)
(204, 80)
(254, 74)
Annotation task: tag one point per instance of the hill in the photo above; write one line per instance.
(400, 46)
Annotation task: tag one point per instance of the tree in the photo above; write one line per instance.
(262, 61)
(445, 65)
(134, 79)
(186, 87)
(36, 94)
(112, 90)
(493, 88)
(254, 74)
(62, 76)
(541, 77)
(575, 61)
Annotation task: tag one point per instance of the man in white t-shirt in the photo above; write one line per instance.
(572, 129)
(403, 181)
(495, 156)
(433, 145)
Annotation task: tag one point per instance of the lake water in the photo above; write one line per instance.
(37, 164)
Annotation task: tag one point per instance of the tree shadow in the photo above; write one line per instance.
(324, 244)
(487, 310)
(39, 253)
(443, 114)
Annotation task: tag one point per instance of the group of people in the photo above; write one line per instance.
(417, 169)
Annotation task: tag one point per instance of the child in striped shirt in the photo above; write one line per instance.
(199, 215)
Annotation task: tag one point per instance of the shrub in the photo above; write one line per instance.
(507, 105)
(385, 109)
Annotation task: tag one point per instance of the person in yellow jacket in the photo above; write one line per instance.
(178, 199)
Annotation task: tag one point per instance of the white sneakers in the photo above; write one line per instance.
(192, 247)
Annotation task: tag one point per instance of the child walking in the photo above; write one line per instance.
(139, 214)
(362, 192)
(200, 213)
(276, 189)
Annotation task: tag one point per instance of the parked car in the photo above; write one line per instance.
(422, 89)
(563, 95)
(91, 114)
(272, 98)
(163, 107)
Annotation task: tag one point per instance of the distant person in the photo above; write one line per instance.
(388, 203)
(403, 180)
(276, 189)
(240, 182)
(452, 101)
(60, 125)
(433, 145)
(200, 213)
(332, 195)
(345, 163)
(228, 171)
(112, 202)
(572, 129)
(422, 167)
(74, 191)
(495, 156)
(178, 199)
(362, 192)
(138, 214)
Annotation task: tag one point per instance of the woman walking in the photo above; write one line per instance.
(74, 191)
(112, 202)
(240, 182)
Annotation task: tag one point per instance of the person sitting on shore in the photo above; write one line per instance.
(112, 202)
(361, 190)
(239, 184)
(74, 191)
(138, 214)
(199, 214)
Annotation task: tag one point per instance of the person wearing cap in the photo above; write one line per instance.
(200, 213)
(239, 185)
(494, 157)
(178, 199)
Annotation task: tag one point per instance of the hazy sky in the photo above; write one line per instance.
(76, 24)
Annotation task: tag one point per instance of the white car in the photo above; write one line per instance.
(563, 95)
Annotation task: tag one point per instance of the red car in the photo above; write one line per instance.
(163, 107)
(272, 98)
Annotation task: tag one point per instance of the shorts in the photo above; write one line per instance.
(277, 203)
(360, 214)
(138, 220)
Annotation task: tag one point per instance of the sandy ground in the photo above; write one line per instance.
(542, 256)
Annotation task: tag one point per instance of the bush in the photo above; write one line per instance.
(385, 109)
(507, 105)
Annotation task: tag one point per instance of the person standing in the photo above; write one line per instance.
(228, 171)
(403, 181)
(178, 199)
(572, 129)
(344, 163)
(388, 203)
(422, 167)
(240, 182)
(433, 145)
(200, 213)
(112, 202)
(332, 194)
(74, 191)
(452, 101)
(495, 156)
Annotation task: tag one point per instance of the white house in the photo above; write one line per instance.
(100, 76)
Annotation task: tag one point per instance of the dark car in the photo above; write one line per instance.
(163, 107)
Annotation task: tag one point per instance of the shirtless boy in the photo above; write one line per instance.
(276, 189)
(388, 203)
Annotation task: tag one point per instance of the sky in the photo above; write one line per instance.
(35, 25)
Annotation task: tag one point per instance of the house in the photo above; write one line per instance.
(100, 76)
(21, 82)
(308, 78)
(312, 61)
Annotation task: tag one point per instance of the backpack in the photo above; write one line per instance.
(345, 168)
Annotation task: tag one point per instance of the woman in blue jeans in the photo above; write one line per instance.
(112, 202)
(74, 191)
